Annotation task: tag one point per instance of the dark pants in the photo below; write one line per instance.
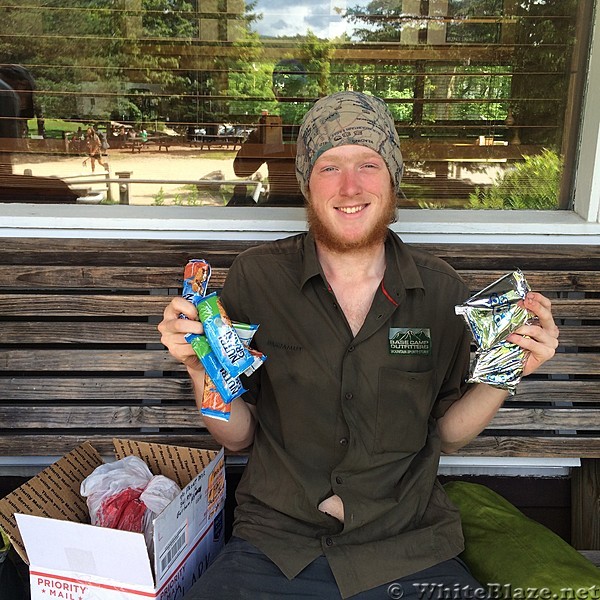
(242, 572)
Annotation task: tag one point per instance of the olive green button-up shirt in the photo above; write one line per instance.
(349, 415)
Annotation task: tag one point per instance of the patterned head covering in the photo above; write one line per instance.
(348, 118)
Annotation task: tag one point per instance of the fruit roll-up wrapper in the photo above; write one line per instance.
(492, 315)
(196, 276)
(222, 337)
(229, 387)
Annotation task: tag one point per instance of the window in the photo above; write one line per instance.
(190, 102)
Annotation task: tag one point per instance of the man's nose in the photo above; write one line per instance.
(349, 183)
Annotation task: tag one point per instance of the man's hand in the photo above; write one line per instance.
(173, 330)
(541, 338)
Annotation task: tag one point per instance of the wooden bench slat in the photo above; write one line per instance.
(90, 388)
(83, 305)
(58, 444)
(543, 446)
(88, 360)
(91, 332)
(94, 389)
(50, 444)
(150, 360)
(60, 416)
(136, 277)
(62, 332)
(79, 306)
(69, 251)
(532, 419)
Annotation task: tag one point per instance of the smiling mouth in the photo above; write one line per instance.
(351, 210)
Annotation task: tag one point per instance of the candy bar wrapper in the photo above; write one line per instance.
(222, 337)
(196, 276)
(492, 315)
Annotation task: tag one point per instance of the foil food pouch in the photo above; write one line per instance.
(492, 315)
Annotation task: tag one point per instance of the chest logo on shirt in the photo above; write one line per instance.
(410, 340)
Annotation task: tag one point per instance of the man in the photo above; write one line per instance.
(340, 497)
(274, 143)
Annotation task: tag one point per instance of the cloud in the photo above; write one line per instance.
(282, 17)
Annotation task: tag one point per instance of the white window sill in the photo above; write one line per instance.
(261, 223)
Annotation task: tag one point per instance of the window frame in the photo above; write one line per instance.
(581, 224)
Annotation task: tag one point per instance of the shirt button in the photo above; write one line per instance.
(329, 541)
(349, 396)
(339, 480)
(344, 441)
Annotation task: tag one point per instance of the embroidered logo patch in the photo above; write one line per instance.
(410, 340)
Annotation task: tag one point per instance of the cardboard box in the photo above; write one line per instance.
(46, 520)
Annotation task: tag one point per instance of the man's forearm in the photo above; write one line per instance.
(470, 415)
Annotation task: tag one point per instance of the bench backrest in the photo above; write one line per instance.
(81, 360)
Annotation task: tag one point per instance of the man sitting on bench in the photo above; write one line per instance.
(339, 497)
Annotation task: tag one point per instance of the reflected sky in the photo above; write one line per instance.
(324, 19)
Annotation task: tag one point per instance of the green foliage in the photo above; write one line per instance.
(532, 184)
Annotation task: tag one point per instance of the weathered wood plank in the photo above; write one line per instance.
(36, 359)
(124, 389)
(55, 443)
(103, 332)
(79, 306)
(585, 513)
(533, 419)
(59, 443)
(61, 416)
(68, 332)
(88, 360)
(95, 305)
(545, 446)
(151, 360)
(64, 416)
(150, 277)
(94, 389)
(119, 252)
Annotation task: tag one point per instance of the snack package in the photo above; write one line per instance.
(196, 276)
(219, 393)
(229, 387)
(492, 315)
(224, 349)
(222, 337)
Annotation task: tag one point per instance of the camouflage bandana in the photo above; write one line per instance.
(348, 118)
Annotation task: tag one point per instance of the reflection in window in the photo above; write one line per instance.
(198, 103)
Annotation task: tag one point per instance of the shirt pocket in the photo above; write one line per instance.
(403, 409)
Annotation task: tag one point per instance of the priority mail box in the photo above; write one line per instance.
(47, 522)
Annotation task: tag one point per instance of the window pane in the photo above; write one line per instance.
(199, 102)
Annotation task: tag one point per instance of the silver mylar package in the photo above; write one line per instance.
(492, 315)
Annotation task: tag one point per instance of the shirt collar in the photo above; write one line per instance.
(310, 264)
(401, 272)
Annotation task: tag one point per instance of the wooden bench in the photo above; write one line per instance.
(81, 360)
